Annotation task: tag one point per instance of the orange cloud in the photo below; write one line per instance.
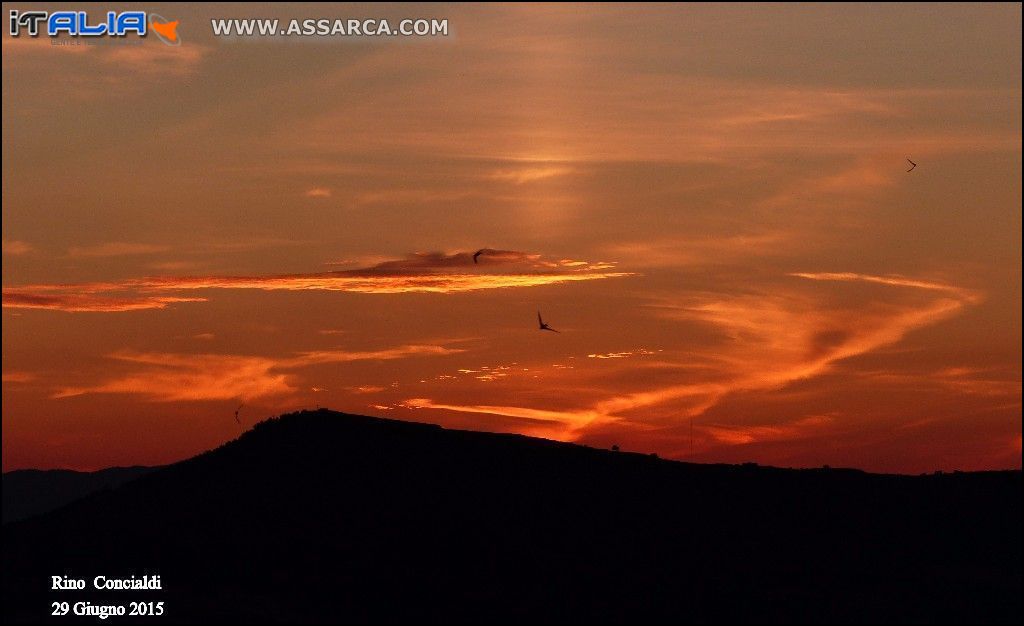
(530, 173)
(543, 423)
(116, 248)
(87, 302)
(158, 62)
(963, 380)
(781, 338)
(769, 340)
(420, 273)
(97, 73)
(970, 381)
(431, 261)
(18, 377)
(895, 281)
(739, 435)
(642, 117)
(426, 283)
(319, 357)
(178, 377)
(14, 247)
(622, 355)
(689, 251)
(171, 377)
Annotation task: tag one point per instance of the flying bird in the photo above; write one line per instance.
(912, 165)
(236, 414)
(543, 325)
(478, 253)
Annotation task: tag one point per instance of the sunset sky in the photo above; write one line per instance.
(710, 203)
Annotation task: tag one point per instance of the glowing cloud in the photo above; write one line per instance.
(115, 249)
(895, 281)
(87, 302)
(529, 174)
(384, 284)
(559, 424)
(18, 377)
(14, 247)
(167, 377)
(770, 340)
(622, 355)
(738, 435)
(419, 273)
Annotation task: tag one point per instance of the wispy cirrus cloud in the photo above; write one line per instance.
(778, 338)
(892, 280)
(152, 62)
(530, 172)
(963, 380)
(16, 247)
(739, 435)
(88, 302)
(108, 249)
(418, 273)
(691, 251)
(763, 340)
(538, 422)
(115, 249)
(18, 377)
(696, 117)
(623, 354)
(172, 377)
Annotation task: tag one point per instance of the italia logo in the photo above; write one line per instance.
(166, 30)
(81, 24)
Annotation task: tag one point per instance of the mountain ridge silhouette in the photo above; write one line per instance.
(29, 492)
(321, 516)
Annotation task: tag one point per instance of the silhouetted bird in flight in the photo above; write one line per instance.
(478, 253)
(543, 325)
(912, 165)
(236, 414)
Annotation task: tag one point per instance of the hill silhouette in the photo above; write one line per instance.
(318, 517)
(31, 492)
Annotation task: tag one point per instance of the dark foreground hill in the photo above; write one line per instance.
(325, 517)
(31, 492)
